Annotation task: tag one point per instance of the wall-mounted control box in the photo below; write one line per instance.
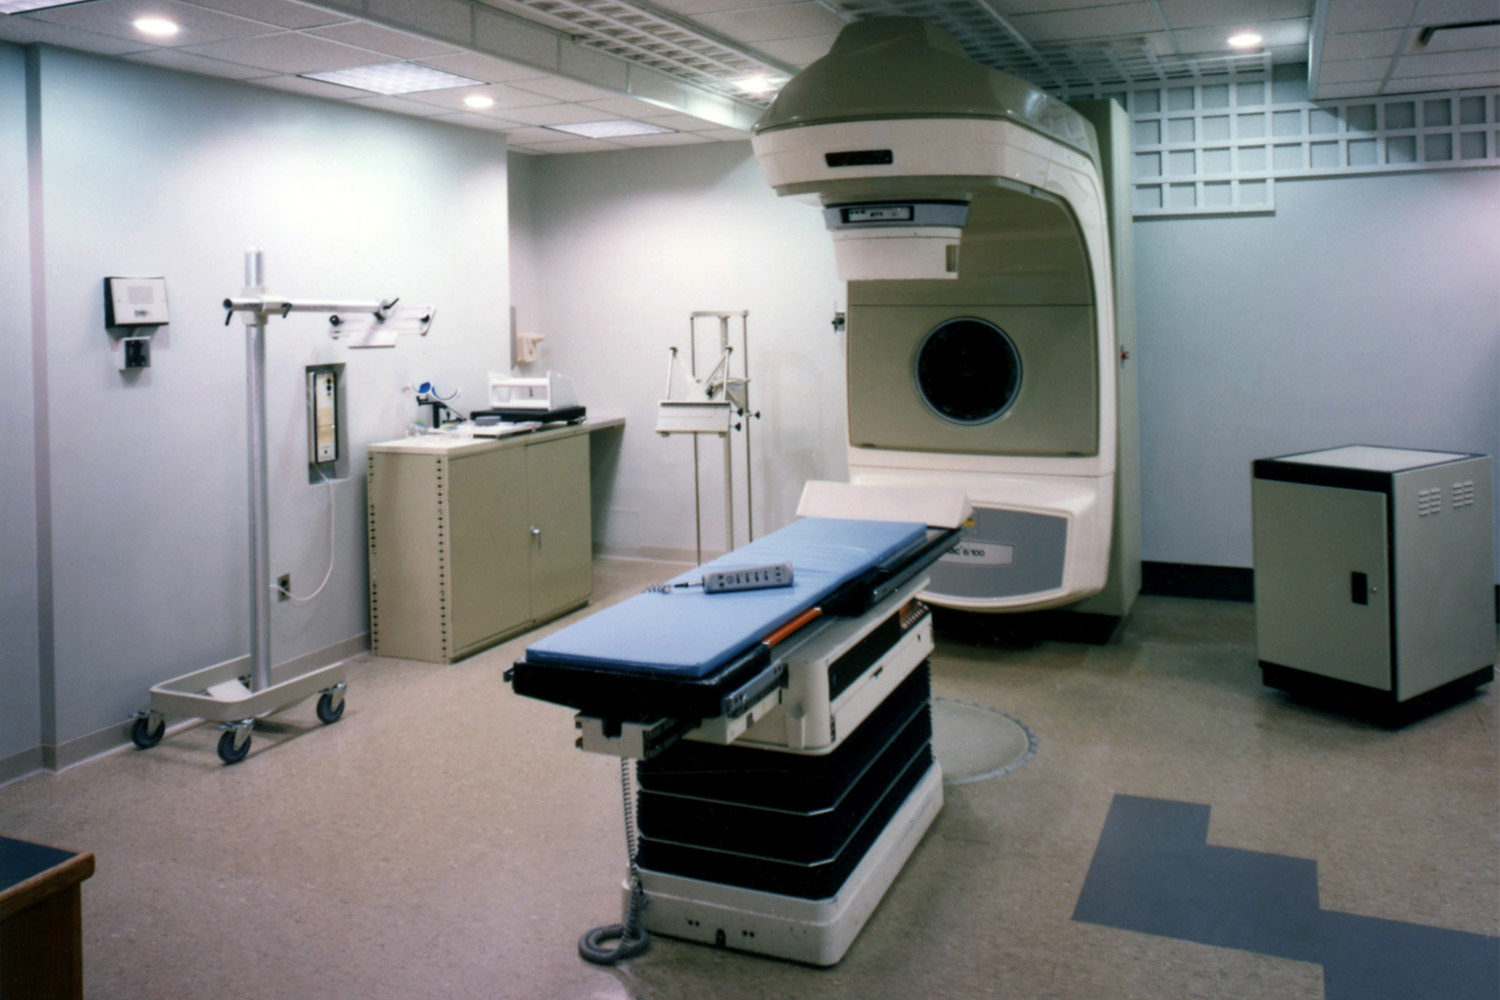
(135, 302)
(322, 416)
(135, 353)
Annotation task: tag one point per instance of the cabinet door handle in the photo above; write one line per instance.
(536, 532)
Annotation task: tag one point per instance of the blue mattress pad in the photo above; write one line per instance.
(687, 634)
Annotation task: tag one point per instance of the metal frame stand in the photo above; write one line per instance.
(719, 397)
(222, 693)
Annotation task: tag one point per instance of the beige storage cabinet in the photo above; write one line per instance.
(474, 540)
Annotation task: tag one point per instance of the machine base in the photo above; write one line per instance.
(1025, 628)
(814, 931)
(1380, 707)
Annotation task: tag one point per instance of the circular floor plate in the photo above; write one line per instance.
(973, 743)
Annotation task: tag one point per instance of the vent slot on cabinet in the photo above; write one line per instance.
(1463, 494)
(1429, 501)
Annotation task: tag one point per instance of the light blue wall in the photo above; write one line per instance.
(20, 725)
(148, 172)
(630, 244)
(1365, 310)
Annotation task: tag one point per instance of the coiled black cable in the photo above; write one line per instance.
(633, 938)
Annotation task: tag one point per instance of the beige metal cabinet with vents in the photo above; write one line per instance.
(1374, 575)
(474, 540)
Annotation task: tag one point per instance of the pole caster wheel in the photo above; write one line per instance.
(143, 734)
(329, 709)
(228, 752)
(331, 704)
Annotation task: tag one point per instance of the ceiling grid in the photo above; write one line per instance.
(686, 64)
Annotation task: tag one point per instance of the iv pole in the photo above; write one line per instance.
(255, 304)
(220, 693)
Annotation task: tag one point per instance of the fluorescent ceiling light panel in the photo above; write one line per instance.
(1245, 40)
(22, 6)
(393, 78)
(610, 129)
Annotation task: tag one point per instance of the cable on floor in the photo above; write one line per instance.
(633, 938)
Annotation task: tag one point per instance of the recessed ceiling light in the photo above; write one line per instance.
(155, 26)
(1245, 40)
(479, 101)
(22, 6)
(610, 129)
(392, 78)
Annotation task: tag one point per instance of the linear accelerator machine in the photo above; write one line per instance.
(785, 734)
(972, 216)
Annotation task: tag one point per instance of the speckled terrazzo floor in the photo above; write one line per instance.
(446, 840)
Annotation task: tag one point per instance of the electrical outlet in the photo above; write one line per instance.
(284, 585)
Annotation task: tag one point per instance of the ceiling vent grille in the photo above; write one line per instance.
(659, 39)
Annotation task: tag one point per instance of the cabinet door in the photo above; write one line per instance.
(1311, 610)
(557, 477)
(406, 608)
(488, 546)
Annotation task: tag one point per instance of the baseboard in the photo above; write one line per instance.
(1214, 583)
(116, 736)
(19, 765)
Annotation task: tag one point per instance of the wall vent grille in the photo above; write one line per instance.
(1214, 147)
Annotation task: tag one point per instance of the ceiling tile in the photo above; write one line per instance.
(470, 120)
(504, 97)
(1362, 44)
(1427, 84)
(554, 114)
(1352, 70)
(798, 51)
(289, 52)
(1092, 22)
(1485, 36)
(1368, 15)
(663, 139)
(1448, 63)
(1008, 7)
(1231, 13)
(187, 62)
(481, 67)
(282, 13)
(1335, 91)
(1455, 11)
(692, 7)
(562, 89)
(529, 134)
(114, 17)
(384, 40)
(25, 31)
(627, 107)
(399, 105)
(725, 135)
(312, 88)
(1216, 40)
(682, 123)
(566, 145)
(763, 24)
